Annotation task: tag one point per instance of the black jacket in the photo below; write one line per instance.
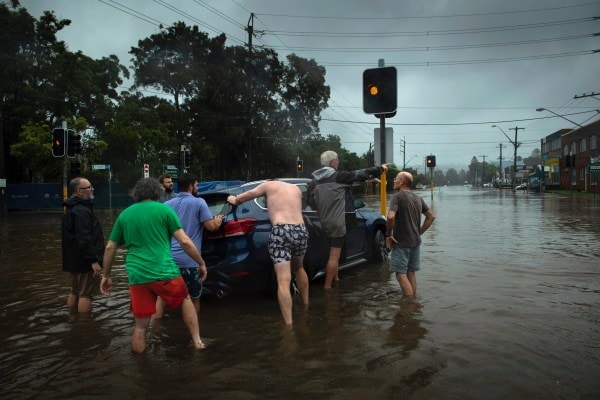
(82, 237)
(329, 193)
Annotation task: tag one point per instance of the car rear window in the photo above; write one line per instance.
(217, 203)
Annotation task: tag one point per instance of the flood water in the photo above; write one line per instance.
(508, 306)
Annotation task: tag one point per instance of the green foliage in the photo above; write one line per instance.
(33, 153)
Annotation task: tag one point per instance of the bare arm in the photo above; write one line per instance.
(214, 223)
(429, 218)
(190, 249)
(109, 255)
(391, 217)
(258, 191)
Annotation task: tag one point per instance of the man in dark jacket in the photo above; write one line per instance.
(330, 193)
(82, 245)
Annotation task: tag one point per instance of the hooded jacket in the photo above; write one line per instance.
(329, 192)
(82, 237)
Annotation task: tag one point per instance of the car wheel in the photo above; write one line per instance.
(378, 251)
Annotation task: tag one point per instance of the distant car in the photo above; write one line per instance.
(522, 186)
(237, 257)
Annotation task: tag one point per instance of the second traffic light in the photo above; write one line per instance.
(73, 143)
(430, 160)
(380, 90)
(58, 142)
(299, 165)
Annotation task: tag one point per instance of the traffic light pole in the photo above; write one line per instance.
(65, 162)
(383, 183)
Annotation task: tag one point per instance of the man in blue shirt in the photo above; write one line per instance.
(194, 214)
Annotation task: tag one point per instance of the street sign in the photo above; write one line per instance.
(100, 166)
(595, 169)
(146, 171)
(171, 170)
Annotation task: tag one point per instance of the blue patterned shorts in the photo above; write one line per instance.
(287, 241)
(192, 281)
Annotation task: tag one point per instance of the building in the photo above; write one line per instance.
(579, 148)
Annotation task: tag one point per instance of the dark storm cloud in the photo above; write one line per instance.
(473, 63)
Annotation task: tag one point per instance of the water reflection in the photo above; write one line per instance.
(507, 308)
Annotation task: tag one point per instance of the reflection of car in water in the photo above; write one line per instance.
(532, 186)
(236, 255)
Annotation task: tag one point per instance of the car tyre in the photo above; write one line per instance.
(379, 250)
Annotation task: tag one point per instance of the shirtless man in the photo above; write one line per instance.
(288, 240)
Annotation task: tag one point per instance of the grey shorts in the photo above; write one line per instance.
(405, 259)
(287, 241)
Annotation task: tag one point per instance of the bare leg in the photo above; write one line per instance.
(301, 278)
(284, 278)
(405, 285)
(160, 308)
(412, 278)
(84, 305)
(72, 303)
(138, 340)
(196, 303)
(332, 266)
(190, 317)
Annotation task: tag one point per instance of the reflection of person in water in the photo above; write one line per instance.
(407, 329)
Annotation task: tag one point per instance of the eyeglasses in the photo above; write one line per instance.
(85, 188)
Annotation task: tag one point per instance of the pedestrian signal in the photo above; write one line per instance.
(430, 161)
(58, 142)
(380, 90)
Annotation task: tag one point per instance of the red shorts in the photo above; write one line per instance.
(143, 296)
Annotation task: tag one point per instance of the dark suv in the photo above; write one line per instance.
(237, 257)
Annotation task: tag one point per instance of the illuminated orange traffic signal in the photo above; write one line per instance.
(58, 142)
(299, 165)
(380, 90)
(430, 160)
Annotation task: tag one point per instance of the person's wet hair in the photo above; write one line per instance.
(147, 189)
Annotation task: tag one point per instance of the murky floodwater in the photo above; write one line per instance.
(508, 307)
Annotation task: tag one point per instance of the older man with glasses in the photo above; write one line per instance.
(82, 246)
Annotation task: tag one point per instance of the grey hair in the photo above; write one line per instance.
(327, 157)
(74, 184)
(147, 189)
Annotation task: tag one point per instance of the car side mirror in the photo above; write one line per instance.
(359, 203)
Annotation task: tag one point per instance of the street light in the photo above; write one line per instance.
(515, 144)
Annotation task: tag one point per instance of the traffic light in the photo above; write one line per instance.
(73, 143)
(299, 165)
(430, 160)
(380, 90)
(187, 159)
(58, 142)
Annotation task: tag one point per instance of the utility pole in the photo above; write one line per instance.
(579, 96)
(250, 98)
(482, 172)
(516, 144)
(501, 158)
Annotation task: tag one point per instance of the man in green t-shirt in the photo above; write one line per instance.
(146, 228)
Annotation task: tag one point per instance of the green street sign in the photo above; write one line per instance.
(594, 169)
(171, 170)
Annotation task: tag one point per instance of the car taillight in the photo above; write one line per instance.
(240, 227)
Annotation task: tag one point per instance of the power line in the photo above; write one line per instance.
(337, 17)
(432, 33)
(338, 49)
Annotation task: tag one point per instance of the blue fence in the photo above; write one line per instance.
(36, 196)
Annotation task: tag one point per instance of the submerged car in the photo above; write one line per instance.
(236, 255)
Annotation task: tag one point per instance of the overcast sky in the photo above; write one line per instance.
(463, 66)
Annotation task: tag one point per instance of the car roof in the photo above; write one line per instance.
(249, 185)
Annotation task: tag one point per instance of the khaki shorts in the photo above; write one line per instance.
(85, 284)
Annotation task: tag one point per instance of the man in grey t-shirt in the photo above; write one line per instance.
(404, 232)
